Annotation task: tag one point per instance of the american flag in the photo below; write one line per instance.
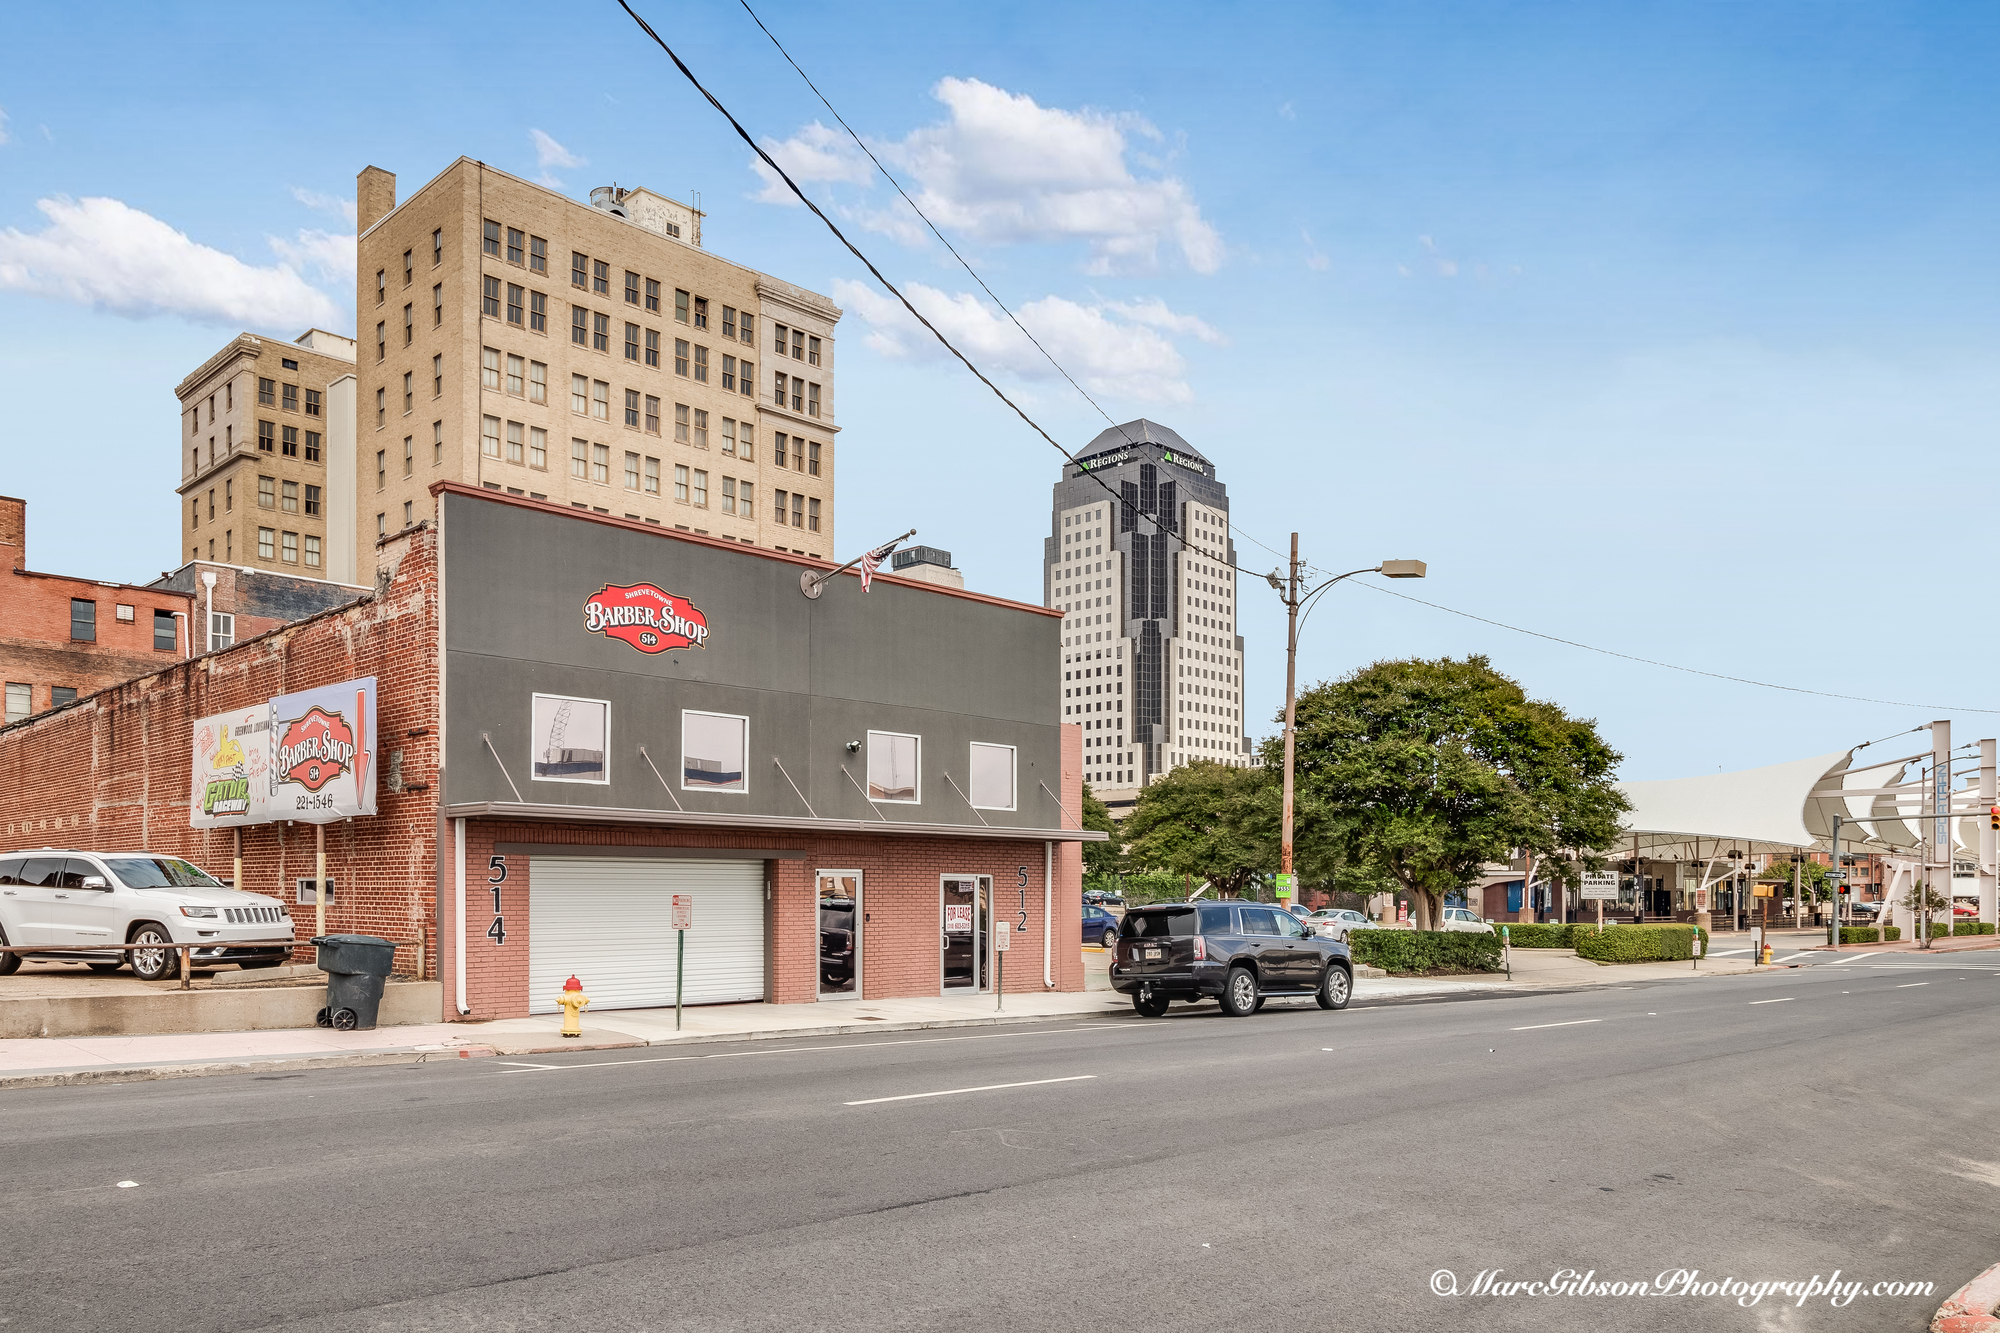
(870, 561)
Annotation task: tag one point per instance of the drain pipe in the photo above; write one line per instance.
(458, 947)
(208, 582)
(1048, 906)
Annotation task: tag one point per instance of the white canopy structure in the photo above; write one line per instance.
(1785, 808)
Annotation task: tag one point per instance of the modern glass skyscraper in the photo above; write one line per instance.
(1139, 558)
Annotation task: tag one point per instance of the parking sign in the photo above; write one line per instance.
(683, 918)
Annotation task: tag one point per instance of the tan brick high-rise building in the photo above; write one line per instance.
(592, 355)
(267, 439)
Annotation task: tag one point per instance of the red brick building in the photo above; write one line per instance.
(62, 637)
(868, 784)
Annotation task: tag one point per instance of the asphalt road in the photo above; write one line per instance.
(1294, 1170)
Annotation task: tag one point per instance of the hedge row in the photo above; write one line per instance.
(1637, 944)
(1531, 935)
(1860, 934)
(1419, 951)
(1972, 928)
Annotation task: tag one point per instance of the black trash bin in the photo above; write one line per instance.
(357, 967)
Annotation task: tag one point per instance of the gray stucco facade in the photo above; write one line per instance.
(809, 677)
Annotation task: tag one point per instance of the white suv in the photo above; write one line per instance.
(59, 897)
(1462, 918)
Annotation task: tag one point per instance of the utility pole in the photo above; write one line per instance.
(1291, 596)
(1288, 589)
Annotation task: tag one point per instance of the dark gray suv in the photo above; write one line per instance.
(1238, 953)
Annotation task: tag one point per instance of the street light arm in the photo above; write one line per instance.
(1309, 600)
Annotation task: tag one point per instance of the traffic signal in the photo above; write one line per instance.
(1996, 816)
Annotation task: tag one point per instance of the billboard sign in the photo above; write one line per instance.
(323, 752)
(232, 769)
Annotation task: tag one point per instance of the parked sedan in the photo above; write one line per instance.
(1239, 953)
(1462, 918)
(57, 897)
(1336, 922)
(1099, 926)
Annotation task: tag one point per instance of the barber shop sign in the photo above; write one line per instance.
(649, 618)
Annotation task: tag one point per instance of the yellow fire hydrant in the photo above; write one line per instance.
(1767, 954)
(572, 1001)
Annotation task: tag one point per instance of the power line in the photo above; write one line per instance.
(1670, 666)
(963, 263)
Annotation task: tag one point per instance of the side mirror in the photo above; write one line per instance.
(95, 882)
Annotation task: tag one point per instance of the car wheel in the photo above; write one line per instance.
(1336, 988)
(105, 969)
(1239, 993)
(10, 963)
(1110, 940)
(154, 964)
(1155, 1007)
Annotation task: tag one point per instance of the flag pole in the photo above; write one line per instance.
(812, 582)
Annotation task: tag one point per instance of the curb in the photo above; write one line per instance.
(63, 1078)
(1970, 1308)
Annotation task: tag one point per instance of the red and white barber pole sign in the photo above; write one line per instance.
(683, 911)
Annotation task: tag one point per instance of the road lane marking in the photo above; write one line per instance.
(953, 1092)
(1906, 985)
(1793, 958)
(1574, 1022)
(1783, 1000)
(523, 1068)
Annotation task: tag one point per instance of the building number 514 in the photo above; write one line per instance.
(497, 932)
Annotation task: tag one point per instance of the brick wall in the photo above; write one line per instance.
(35, 644)
(115, 771)
(900, 896)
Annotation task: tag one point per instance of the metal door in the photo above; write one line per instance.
(608, 922)
(840, 929)
(965, 904)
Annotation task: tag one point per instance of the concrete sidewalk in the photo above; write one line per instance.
(35, 1062)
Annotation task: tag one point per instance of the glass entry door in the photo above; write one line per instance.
(840, 922)
(966, 904)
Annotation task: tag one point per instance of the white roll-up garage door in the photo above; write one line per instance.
(608, 923)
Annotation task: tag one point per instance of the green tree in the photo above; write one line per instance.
(1422, 770)
(1814, 886)
(1207, 821)
(1101, 858)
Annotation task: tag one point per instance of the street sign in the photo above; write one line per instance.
(1836, 876)
(1603, 886)
(1287, 885)
(683, 913)
(1002, 930)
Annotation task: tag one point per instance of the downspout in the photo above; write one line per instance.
(208, 581)
(1048, 906)
(458, 947)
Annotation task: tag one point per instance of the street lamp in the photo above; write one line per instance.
(1288, 590)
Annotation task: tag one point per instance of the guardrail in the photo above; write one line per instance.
(186, 951)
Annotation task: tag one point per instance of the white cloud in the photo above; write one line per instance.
(1316, 259)
(1003, 169)
(1288, 112)
(104, 253)
(3, 126)
(815, 153)
(549, 154)
(326, 203)
(331, 255)
(1111, 348)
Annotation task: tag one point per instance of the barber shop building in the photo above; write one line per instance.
(593, 731)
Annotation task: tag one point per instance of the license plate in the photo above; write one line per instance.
(1150, 955)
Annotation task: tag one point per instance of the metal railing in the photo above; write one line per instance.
(186, 951)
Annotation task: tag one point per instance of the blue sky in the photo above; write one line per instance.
(1671, 332)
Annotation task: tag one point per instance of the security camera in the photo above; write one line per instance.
(853, 746)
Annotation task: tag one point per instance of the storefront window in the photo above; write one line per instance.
(992, 776)
(714, 747)
(892, 767)
(569, 739)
